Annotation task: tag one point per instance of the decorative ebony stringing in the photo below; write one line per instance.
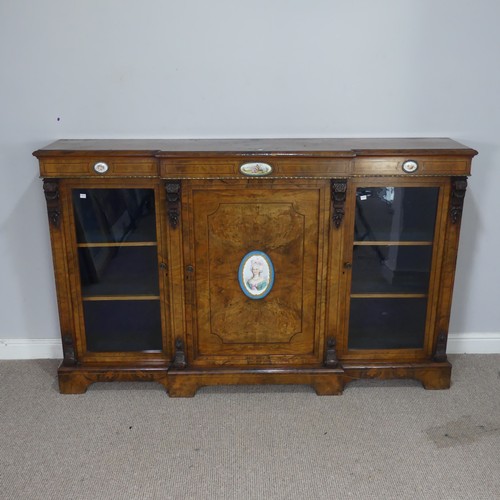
(179, 361)
(339, 191)
(458, 188)
(440, 351)
(51, 191)
(68, 350)
(331, 360)
(173, 189)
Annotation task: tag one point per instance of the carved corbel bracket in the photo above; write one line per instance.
(440, 351)
(458, 188)
(179, 362)
(331, 360)
(173, 189)
(51, 191)
(339, 192)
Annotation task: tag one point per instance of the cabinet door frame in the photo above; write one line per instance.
(434, 309)
(200, 360)
(135, 358)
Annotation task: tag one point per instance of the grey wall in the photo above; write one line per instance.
(259, 68)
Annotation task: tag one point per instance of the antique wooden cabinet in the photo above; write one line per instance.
(298, 261)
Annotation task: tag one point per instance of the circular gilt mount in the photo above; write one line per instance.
(100, 167)
(410, 166)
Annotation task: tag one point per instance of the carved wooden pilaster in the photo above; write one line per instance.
(51, 191)
(68, 350)
(179, 362)
(440, 351)
(458, 188)
(331, 360)
(339, 192)
(173, 189)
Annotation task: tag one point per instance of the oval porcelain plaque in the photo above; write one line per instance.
(256, 169)
(256, 274)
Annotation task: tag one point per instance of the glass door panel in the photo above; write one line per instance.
(119, 270)
(387, 323)
(118, 264)
(391, 269)
(391, 266)
(395, 213)
(114, 215)
(122, 325)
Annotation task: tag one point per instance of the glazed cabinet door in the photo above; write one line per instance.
(116, 270)
(393, 263)
(255, 254)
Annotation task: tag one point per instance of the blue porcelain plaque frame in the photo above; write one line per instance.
(256, 274)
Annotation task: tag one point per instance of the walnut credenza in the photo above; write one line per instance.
(286, 261)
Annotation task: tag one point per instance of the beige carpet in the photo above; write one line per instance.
(380, 440)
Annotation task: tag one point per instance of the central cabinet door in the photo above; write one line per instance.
(255, 271)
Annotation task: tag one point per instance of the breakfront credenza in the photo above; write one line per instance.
(286, 261)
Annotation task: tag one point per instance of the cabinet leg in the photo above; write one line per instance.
(331, 386)
(435, 380)
(181, 387)
(73, 383)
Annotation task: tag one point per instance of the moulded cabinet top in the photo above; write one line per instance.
(321, 147)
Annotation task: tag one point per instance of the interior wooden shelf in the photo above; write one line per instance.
(394, 243)
(122, 244)
(388, 295)
(95, 298)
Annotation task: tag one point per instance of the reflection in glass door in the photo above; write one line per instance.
(118, 263)
(392, 256)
